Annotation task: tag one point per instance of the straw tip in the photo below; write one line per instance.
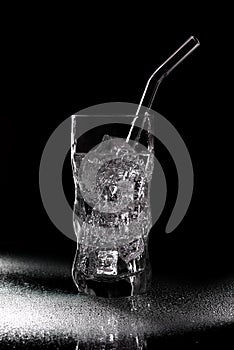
(192, 37)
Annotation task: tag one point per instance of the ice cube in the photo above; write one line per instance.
(131, 250)
(114, 146)
(107, 262)
(106, 137)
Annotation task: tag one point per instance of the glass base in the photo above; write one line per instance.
(108, 273)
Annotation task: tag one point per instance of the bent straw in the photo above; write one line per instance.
(160, 73)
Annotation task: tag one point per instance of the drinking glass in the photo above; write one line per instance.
(112, 213)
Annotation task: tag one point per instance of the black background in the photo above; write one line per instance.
(55, 65)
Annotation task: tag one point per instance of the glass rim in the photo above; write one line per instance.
(111, 115)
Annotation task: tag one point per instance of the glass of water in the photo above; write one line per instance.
(112, 214)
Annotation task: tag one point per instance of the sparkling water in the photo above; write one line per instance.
(112, 216)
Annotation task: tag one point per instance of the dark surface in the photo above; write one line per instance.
(52, 69)
(40, 308)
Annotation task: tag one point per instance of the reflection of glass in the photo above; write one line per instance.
(132, 342)
(117, 333)
(112, 214)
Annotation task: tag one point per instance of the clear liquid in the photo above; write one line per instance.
(112, 216)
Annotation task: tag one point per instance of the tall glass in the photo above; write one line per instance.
(112, 214)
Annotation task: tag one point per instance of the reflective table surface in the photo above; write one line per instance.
(40, 308)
